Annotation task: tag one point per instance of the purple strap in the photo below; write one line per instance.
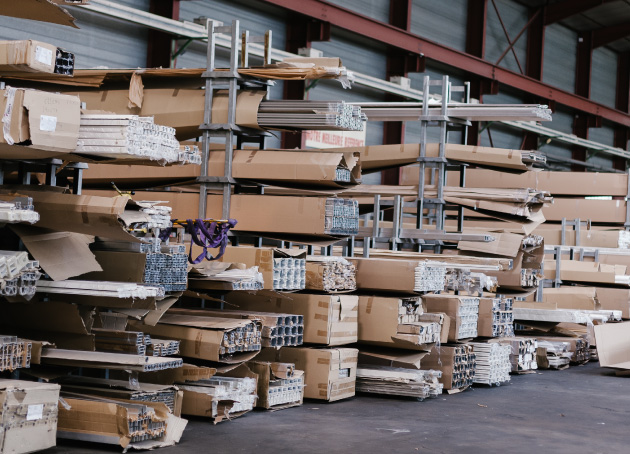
(207, 235)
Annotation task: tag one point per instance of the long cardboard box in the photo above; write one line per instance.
(201, 337)
(28, 416)
(27, 56)
(380, 323)
(582, 298)
(594, 272)
(292, 168)
(379, 157)
(262, 257)
(328, 319)
(38, 124)
(462, 311)
(386, 275)
(330, 373)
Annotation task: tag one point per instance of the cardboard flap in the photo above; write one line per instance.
(613, 345)
(61, 255)
(247, 103)
(203, 322)
(39, 10)
(53, 120)
(391, 358)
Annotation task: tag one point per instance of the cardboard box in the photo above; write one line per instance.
(386, 274)
(614, 299)
(457, 364)
(580, 298)
(28, 416)
(38, 124)
(330, 373)
(380, 157)
(463, 319)
(279, 377)
(290, 168)
(27, 56)
(328, 319)
(45, 11)
(202, 399)
(200, 337)
(126, 390)
(613, 345)
(380, 324)
(262, 257)
(105, 217)
(574, 270)
(108, 422)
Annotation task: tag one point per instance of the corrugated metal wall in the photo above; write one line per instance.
(376, 9)
(514, 17)
(441, 21)
(560, 57)
(604, 76)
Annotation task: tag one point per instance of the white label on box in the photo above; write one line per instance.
(47, 123)
(35, 412)
(44, 55)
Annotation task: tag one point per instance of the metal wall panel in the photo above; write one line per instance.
(560, 57)
(366, 57)
(604, 76)
(100, 41)
(441, 21)
(376, 9)
(605, 135)
(514, 16)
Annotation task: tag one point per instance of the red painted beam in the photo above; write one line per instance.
(607, 35)
(564, 9)
(395, 37)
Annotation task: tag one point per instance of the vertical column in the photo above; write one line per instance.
(399, 64)
(301, 32)
(476, 23)
(160, 44)
(622, 102)
(583, 69)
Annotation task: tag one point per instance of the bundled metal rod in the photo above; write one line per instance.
(311, 115)
(409, 111)
(19, 209)
(15, 353)
(131, 137)
(493, 363)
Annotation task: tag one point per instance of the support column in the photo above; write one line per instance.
(622, 102)
(160, 44)
(583, 71)
(476, 23)
(301, 32)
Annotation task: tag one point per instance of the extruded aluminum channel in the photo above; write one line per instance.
(195, 31)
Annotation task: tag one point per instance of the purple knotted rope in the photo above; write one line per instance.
(207, 235)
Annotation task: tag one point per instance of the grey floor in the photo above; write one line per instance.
(583, 409)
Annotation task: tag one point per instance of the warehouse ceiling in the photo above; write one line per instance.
(602, 15)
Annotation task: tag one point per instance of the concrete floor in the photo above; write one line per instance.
(583, 409)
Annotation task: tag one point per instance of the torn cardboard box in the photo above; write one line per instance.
(280, 386)
(330, 373)
(38, 124)
(228, 341)
(613, 345)
(291, 168)
(396, 322)
(28, 416)
(328, 319)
